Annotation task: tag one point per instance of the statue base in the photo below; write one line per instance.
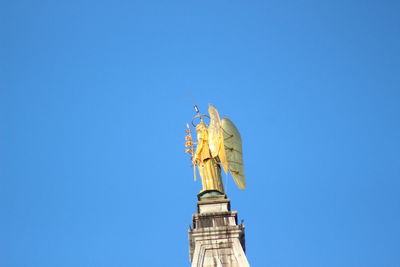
(209, 193)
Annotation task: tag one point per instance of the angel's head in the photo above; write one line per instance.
(201, 127)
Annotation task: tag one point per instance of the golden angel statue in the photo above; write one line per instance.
(219, 145)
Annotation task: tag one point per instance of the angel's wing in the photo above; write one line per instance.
(233, 149)
(216, 138)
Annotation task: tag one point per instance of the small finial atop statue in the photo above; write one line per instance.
(219, 145)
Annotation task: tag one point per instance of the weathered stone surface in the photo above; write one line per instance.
(216, 240)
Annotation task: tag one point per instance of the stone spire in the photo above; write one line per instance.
(216, 240)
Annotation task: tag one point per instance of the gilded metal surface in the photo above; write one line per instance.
(218, 145)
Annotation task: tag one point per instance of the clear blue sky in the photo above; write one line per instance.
(95, 95)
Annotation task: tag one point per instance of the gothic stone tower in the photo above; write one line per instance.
(216, 240)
